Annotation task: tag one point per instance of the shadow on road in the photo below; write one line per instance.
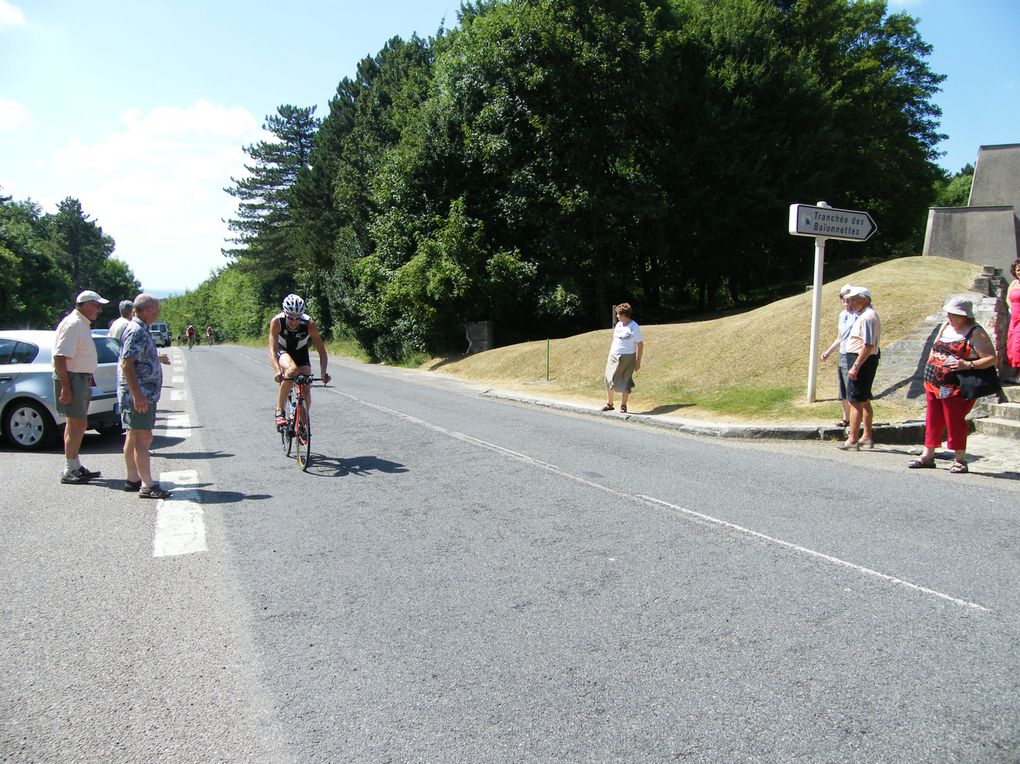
(667, 409)
(944, 459)
(93, 443)
(223, 497)
(196, 455)
(327, 466)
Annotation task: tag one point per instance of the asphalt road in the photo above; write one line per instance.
(458, 579)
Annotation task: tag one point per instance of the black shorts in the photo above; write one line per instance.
(859, 390)
(299, 356)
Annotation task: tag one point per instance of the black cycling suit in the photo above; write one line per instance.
(293, 342)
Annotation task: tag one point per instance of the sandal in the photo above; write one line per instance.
(132, 485)
(623, 409)
(959, 468)
(153, 492)
(608, 407)
(843, 423)
(919, 463)
(850, 445)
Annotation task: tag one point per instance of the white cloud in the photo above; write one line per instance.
(13, 115)
(894, 4)
(156, 186)
(10, 15)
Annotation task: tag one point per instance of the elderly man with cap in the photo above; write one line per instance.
(960, 344)
(862, 354)
(74, 361)
(118, 326)
(843, 327)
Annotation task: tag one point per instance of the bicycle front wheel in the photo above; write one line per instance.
(287, 432)
(303, 437)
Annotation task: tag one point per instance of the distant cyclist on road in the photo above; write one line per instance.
(290, 331)
(190, 332)
(209, 334)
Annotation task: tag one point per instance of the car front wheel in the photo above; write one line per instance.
(28, 425)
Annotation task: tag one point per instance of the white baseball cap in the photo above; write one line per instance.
(857, 291)
(89, 296)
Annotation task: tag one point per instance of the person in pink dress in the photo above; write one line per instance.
(1013, 337)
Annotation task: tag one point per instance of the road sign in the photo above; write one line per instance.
(823, 222)
(830, 223)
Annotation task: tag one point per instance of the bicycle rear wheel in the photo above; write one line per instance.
(303, 436)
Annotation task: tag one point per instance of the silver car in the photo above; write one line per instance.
(28, 413)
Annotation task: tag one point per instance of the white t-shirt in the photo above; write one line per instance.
(625, 338)
(117, 327)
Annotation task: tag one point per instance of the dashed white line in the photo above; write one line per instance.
(180, 521)
(659, 504)
(177, 425)
(178, 395)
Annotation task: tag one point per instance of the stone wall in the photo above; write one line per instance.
(987, 230)
(978, 235)
(997, 177)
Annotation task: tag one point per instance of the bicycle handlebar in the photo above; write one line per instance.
(303, 379)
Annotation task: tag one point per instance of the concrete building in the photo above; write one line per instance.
(987, 231)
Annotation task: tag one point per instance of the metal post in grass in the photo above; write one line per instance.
(548, 352)
(824, 222)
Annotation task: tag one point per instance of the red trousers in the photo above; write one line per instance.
(947, 415)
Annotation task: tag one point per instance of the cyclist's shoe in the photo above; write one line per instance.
(281, 420)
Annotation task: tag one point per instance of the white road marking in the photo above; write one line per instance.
(177, 425)
(180, 521)
(659, 504)
(178, 379)
(178, 395)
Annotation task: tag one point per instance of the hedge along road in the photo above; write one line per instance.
(463, 579)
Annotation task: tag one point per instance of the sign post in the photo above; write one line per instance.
(824, 222)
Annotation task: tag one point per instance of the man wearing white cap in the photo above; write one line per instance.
(846, 322)
(862, 354)
(74, 362)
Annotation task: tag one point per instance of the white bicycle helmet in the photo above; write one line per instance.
(293, 304)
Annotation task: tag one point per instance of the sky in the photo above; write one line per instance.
(141, 110)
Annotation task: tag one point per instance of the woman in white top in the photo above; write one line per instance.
(624, 357)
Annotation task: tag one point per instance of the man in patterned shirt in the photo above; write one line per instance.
(139, 384)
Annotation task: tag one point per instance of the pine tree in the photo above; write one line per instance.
(263, 227)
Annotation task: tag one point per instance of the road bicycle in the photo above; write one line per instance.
(296, 434)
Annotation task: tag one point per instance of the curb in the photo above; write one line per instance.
(900, 433)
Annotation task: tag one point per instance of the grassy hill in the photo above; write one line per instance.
(751, 365)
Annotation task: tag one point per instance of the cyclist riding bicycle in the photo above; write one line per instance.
(190, 332)
(290, 331)
(209, 334)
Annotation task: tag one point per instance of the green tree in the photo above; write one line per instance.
(264, 236)
(82, 245)
(37, 291)
(954, 190)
